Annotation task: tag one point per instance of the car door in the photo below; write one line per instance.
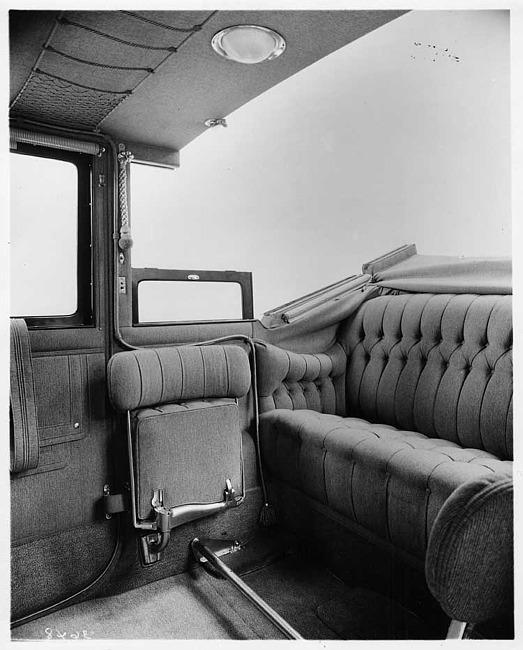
(61, 540)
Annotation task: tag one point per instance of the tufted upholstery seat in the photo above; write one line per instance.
(390, 481)
(420, 404)
(437, 364)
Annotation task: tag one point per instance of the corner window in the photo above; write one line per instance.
(50, 237)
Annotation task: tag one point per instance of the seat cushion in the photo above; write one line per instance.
(391, 482)
(189, 450)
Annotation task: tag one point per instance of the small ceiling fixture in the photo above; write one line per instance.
(248, 43)
(215, 121)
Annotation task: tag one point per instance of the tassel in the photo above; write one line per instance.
(268, 516)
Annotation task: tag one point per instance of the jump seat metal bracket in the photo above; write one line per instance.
(166, 519)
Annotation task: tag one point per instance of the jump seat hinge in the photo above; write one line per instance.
(114, 503)
(169, 518)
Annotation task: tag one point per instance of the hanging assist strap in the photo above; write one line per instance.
(25, 443)
(125, 242)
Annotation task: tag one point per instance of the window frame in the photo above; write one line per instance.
(242, 278)
(84, 314)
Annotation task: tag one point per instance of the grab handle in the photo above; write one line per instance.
(25, 442)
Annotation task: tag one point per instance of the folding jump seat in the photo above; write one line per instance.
(184, 438)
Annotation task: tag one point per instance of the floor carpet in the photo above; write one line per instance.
(196, 605)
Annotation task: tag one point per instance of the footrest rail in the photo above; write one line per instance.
(201, 550)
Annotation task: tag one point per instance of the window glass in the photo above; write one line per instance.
(188, 301)
(43, 236)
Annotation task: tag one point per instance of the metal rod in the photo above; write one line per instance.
(456, 630)
(136, 523)
(200, 549)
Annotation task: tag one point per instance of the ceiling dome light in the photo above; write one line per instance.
(248, 43)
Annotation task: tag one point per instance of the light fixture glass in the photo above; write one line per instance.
(248, 43)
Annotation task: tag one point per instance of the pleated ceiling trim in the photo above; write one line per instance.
(54, 141)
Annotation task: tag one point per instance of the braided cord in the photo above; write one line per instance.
(184, 30)
(73, 83)
(66, 21)
(107, 101)
(125, 242)
(49, 48)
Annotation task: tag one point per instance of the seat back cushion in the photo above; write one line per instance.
(287, 380)
(188, 450)
(437, 364)
(152, 376)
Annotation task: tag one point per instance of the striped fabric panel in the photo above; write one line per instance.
(25, 443)
(151, 376)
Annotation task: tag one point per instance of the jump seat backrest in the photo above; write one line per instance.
(419, 403)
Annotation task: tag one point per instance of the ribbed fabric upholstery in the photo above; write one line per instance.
(389, 481)
(185, 423)
(287, 380)
(189, 450)
(437, 364)
(153, 376)
(470, 559)
(25, 441)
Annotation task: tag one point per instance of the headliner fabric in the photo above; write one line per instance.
(152, 376)
(25, 442)
(441, 274)
(169, 108)
(470, 556)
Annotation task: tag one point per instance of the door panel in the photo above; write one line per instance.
(63, 490)
(61, 539)
(56, 508)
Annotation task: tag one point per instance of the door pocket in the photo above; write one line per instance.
(59, 392)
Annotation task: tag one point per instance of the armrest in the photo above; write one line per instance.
(469, 561)
(289, 380)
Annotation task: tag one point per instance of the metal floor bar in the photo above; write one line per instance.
(201, 550)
